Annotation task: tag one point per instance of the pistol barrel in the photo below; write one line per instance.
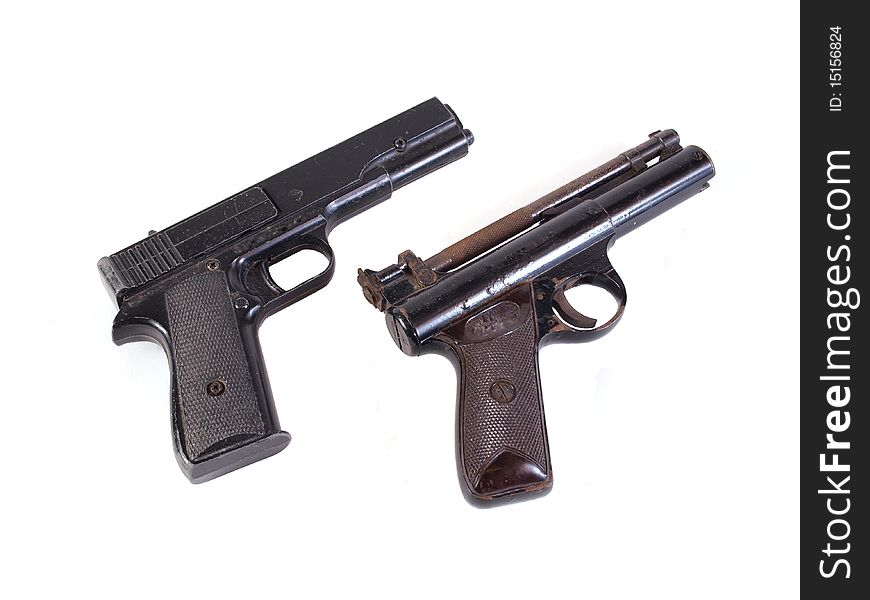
(548, 247)
(416, 142)
(659, 145)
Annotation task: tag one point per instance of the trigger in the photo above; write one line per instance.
(571, 314)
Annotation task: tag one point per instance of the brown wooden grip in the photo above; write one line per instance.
(502, 451)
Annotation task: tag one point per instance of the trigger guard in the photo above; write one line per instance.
(256, 280)
(314, 244)
(577, 321)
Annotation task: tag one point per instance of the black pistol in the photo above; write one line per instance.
(201, 288)
(490, 301)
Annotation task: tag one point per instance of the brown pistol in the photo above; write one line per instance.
(491, 300)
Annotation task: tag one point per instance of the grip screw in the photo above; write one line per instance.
(216, 387)
(212, 265)
(241, 303)
(503, 391)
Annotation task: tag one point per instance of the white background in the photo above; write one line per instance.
(673, 440)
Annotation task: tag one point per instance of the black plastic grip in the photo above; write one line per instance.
(222, 415)
(502, 448)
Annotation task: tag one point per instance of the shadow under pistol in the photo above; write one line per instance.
(201, 288)
(490, 301)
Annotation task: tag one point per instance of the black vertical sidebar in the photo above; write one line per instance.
(835, 221)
